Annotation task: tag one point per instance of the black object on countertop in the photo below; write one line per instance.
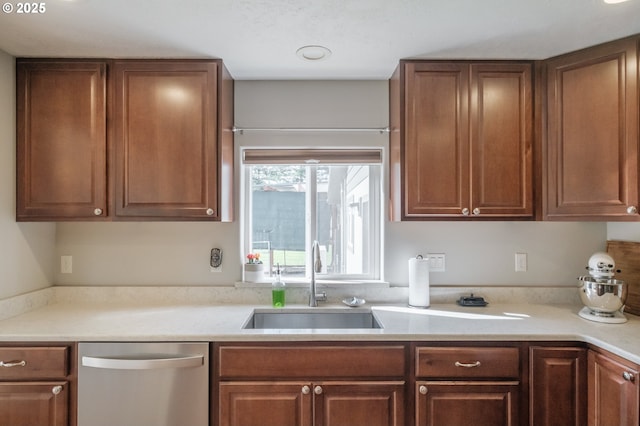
(472, 301)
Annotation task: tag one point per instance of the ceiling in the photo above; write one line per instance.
(258, 39)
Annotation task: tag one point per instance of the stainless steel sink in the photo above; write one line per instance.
(298, 319)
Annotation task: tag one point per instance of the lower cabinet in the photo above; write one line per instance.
(558, 386)
(310, 385)
(312, 403)
(463, 386)
(613, 390)
(35, 386)
(34, 403)
(465, 403)
(359, 403)
(363, 384)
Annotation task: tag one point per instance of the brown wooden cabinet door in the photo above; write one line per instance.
(613, 392)
(34, 403)
(436, 142)
(558, 386)
(592, 137)
(467, 403)
(467, 141)
(359, 403)
(61, 140)
(265, 404)
(166, 139)
(311, 404)
(501, 138)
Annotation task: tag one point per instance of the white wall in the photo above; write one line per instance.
(26, 249)
(623, 231)
(483, 253)
(148, 253)
(178, 253)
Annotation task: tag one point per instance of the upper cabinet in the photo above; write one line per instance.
(461, 140)
(61, 139)
(169, 140)
(591, 149)
(166, 139)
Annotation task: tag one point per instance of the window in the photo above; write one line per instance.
(294, 197)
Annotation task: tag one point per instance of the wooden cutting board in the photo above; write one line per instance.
(626, 254)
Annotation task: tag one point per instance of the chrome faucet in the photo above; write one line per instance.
(316, 267)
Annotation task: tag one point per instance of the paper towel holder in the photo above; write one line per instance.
(419, 282)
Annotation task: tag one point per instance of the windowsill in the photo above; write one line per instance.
(320, 283)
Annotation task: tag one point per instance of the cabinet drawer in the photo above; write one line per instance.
(467, 362)
(311, 361)
(29, 363)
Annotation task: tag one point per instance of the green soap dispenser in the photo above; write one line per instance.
(277, 290)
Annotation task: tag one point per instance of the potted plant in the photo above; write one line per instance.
(254, 268)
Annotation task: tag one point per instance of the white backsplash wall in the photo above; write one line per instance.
(483, 253)
(623, 231)
(26, 249)
(148, 253)
(477, 253)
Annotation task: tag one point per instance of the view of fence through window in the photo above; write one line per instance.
(281, 207)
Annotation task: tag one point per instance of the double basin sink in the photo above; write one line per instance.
(312, 319)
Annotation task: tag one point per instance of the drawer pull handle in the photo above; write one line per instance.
(318, 390)
(56, 390)
(423, 390)
(13, 364)
(629, 377)
(467, 365)
(306, 390)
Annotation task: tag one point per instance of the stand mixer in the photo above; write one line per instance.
(602, 295)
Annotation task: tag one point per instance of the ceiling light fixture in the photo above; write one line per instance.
(614, 1)
(313, 53)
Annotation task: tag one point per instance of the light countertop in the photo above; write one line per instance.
(100, 321)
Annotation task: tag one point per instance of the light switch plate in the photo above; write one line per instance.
(436, 262)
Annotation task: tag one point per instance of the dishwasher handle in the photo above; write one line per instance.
(188, 361)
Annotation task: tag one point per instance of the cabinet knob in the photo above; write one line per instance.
(56, 390)
(305, 390)
(97, 212)
(476, 211)
(629, 377)
(632, 210)
(465, 211)
(423, 390)
(317, 390)
(210, 212)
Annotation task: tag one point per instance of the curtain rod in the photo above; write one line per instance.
(241, 130)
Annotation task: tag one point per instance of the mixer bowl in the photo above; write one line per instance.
(603, 296)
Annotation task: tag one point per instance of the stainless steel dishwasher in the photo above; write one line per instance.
(143, 384)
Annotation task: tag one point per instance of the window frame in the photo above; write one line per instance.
(282, 156)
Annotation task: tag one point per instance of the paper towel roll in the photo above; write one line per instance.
(419, 282)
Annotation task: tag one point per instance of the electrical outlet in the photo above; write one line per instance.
(521, 262)
(66, 264)
(436, 262)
